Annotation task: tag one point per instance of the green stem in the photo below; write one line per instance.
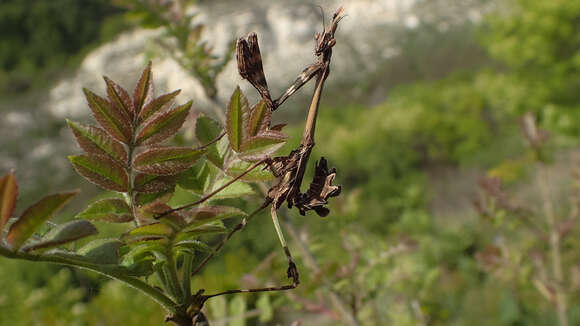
(113, 272)
(170, 269)
(186, 276)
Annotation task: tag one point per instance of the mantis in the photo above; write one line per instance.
(288, 169)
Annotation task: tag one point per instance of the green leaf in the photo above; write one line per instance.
(207, 214)
(102, 251)
(166, 160)
(258, 174)
(235, 190)
(95, 140)
(154, 231)
(207, 129)
(265, 307)
(262, 145)
(119, 98)
(238, 114)
(34, 216)
(260, 117)
(206, 229)
(151, 184)
(143, 93)
(237, 310)
(196, 178)
(141, 258)
(216, 153)
(195, 245)
(115, 121)
(64, 233)
(163, 125)
(146, 198)
(8, 198)
(113, 210)
(161, 103)
(102, 171)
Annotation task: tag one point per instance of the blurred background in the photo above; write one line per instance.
(450, 214)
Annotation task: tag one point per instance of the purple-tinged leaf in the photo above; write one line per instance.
(258, 174)
(8, 197)
(102, 251)
(260, 117)
(151, 184)
(119, 98)
(207, 214)
(115, 121)
(95, 140)
(62, 234)
(166, 160)
(102, 171)
(262, 145)
(278, 127)
(156, 208)
(163, 125)
(143, 93)
(196, 178)
(112, 210)
(161, 103)
(238, 115)
(34, 216)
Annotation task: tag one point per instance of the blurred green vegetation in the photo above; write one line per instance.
(42, 38)
(385, 250)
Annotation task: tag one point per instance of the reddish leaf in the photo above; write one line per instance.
(161, 103)
(113, 210)
(260, 117)
(102, 171)
(166, 160)
(278, 127)
(153, 184)
(238, 115)
(119, 97)
(143, 93)
(8, 197)
(163, 125)
(115, 121)
(36, 215)
(95, 140)
(64, 233)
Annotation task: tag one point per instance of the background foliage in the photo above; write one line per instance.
(403, 244)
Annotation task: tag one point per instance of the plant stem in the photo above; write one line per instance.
(186, 277)
(111, 272)
(555, 253)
